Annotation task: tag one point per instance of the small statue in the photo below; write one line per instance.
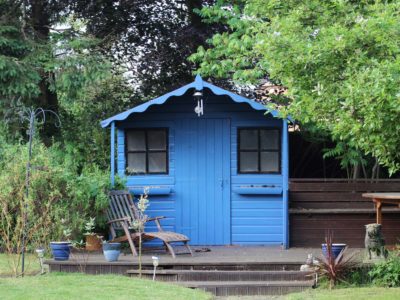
(310, 264)
(374, 240)
(309, 260)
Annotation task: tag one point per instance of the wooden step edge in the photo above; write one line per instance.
(246, 272)
(125, 262)
(233, 284)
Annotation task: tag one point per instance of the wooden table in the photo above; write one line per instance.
(379, 199)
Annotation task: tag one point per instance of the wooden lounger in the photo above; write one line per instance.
(122, 213)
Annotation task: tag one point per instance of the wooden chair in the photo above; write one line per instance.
(121, 214)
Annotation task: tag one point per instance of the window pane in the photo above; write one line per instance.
(248, 162)
(136, 140)
(248, 139)
(270, 162)
(269, 139)
(157, 139)
(158, 162)
(136, 163)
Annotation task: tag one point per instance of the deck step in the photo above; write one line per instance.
(242, 267)
(207, 275)
(101, 266)
(238, 283)
(249, 288)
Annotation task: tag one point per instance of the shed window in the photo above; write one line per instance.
(147, 151)
(259, 150)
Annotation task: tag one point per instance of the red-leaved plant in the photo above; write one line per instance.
(335, 269)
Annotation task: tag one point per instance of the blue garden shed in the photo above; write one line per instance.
(216, 164)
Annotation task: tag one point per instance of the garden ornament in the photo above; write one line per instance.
(155, 264)
(374, 241)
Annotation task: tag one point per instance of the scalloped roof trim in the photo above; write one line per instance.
(198, 84)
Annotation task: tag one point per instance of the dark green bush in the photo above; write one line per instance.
(387, 273)
(63, 194)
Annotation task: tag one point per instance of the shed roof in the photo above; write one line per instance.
(198, 84)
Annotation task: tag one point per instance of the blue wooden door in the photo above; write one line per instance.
(203, 180)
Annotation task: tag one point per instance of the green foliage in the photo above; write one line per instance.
(18, 74)
(149, 39)
(61, 196)
(335, 269)
(77, 64)
(339, 59)
(348, 157)
(81, 131)
(61, 67)
(387, 273)
(90, 226)
(358, 277)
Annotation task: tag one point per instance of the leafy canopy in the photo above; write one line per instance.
(42, 72)
(339, 59)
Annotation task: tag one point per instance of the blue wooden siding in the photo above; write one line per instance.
(256, 219)
(159, 205)
(247, 219)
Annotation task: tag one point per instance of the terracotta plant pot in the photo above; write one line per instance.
(93, 243)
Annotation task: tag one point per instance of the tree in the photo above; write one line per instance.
(81, 131)
(67, 43)
(340, 61)
(40, 64)
(148, 40)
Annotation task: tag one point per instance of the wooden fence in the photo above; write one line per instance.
(318, 205)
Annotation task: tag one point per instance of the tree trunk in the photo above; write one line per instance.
(194, 18)
(40, 21)
(375, 170)
(356, 171)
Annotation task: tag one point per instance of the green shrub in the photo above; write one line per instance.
(63, 194)
(387, 273)
(359, 277)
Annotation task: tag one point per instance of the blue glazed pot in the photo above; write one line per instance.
(336, 249)
(60, 250)
(111, 251)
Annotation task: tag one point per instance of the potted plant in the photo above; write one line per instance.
(335, 248)
(93, 240)
(330, 248)
(334, 266)
(62, 249)
(111, 251)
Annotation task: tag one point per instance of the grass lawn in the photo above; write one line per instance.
(32, 265)
(80, 286)
(372, 293)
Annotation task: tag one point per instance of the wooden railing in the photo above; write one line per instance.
(318, 205)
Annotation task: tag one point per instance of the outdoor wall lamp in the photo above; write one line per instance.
(198, 95)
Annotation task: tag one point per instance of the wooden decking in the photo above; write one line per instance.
(217, 256)
(223, 271)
